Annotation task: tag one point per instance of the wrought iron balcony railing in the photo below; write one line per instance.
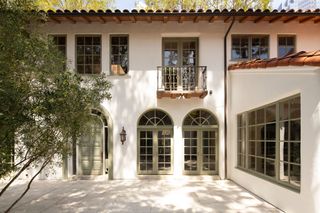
(184, 80)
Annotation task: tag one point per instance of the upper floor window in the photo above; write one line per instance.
(119, 55)
(286, 45)
(88, 59)
(247, 47)
(60, 42)
(180, 52)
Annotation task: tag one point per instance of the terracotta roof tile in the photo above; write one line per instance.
(296, 59)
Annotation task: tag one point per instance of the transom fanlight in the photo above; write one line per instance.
(200, 117)
(155, 117)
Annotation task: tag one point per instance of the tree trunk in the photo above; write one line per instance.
(28, 187)
(16, 176)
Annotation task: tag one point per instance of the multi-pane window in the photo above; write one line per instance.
(88, 53)
(286, 45)
(269, 141)
(250, 47)
(119, 56)
(60, 42)
(241, 140)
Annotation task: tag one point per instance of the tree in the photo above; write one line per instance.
(74, 4)
(43, 107)
(206, 4)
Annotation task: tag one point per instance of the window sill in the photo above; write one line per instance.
(113, 76)
(270, 179)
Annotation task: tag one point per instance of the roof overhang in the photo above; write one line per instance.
(149, 16)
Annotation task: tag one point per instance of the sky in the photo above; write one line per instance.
(129, 4)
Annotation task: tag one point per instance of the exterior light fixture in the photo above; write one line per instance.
(123, 135)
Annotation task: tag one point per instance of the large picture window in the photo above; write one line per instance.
(247, 47)
(88, 52)
(269, 141)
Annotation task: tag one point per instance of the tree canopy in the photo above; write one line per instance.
(74, 4)
(207, 4)
(44, 106)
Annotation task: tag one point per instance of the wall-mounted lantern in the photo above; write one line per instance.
(123, 135)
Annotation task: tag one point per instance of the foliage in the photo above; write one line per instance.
(74, 4)
(207, 4)
(42, 106)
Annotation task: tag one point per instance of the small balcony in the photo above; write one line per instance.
(182, 82)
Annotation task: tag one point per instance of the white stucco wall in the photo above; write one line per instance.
(250, 89)
(135, 93)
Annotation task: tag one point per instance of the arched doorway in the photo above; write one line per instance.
(155, 144)
(200, 135)
(93, 147)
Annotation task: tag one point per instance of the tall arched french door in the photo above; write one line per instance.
(155, 145)
(93, 147)
(200, 136)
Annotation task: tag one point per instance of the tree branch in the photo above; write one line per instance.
(29, 184)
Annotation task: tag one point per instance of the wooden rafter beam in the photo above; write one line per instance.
(116, 19)
(275, 19)
(306, 19)
(55, 20)
(165, 19)
(132, 19)
(102, 20)
(212, 19)
(290, 19)
(243, 19)
(86, 19)
(181, 18)
(196, 19)
(259, 19)
(227, 19)
(70, 19)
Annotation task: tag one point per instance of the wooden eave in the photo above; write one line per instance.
(191, 16)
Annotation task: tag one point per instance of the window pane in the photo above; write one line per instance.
(284, 110)
(270, 168)
(271, 113)
(260, 116)
(260, 149)
(295, 152)
(284, 131)
(295, 130)
(295, 108)
(295, 175)
(271, 131)
(271, 150)
(260, 132)
(260, 165)
(284, 147)
(284, 171)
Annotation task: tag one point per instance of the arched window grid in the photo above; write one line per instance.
(99, 114)
(155, 118)
(200, 118)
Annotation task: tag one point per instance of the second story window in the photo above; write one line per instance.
(119, 55)
(286, 45)
(247, 47)
(88, 54)
(60, 42)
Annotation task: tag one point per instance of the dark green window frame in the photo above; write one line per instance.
(88, 54)
(119, 54)
(287, 43)
(250, 47)
(269, 140)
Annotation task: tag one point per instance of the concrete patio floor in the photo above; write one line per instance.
(136, 196)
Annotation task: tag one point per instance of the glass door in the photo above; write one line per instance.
(155, 152)
(200, 152)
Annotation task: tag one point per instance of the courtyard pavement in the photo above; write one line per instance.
(138, 196)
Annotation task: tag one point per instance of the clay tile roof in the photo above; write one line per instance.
(301, 58)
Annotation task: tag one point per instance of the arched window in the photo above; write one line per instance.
(200, 135)
(155, 132)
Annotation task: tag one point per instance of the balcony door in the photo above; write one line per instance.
(179, 59)
(200, 136)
